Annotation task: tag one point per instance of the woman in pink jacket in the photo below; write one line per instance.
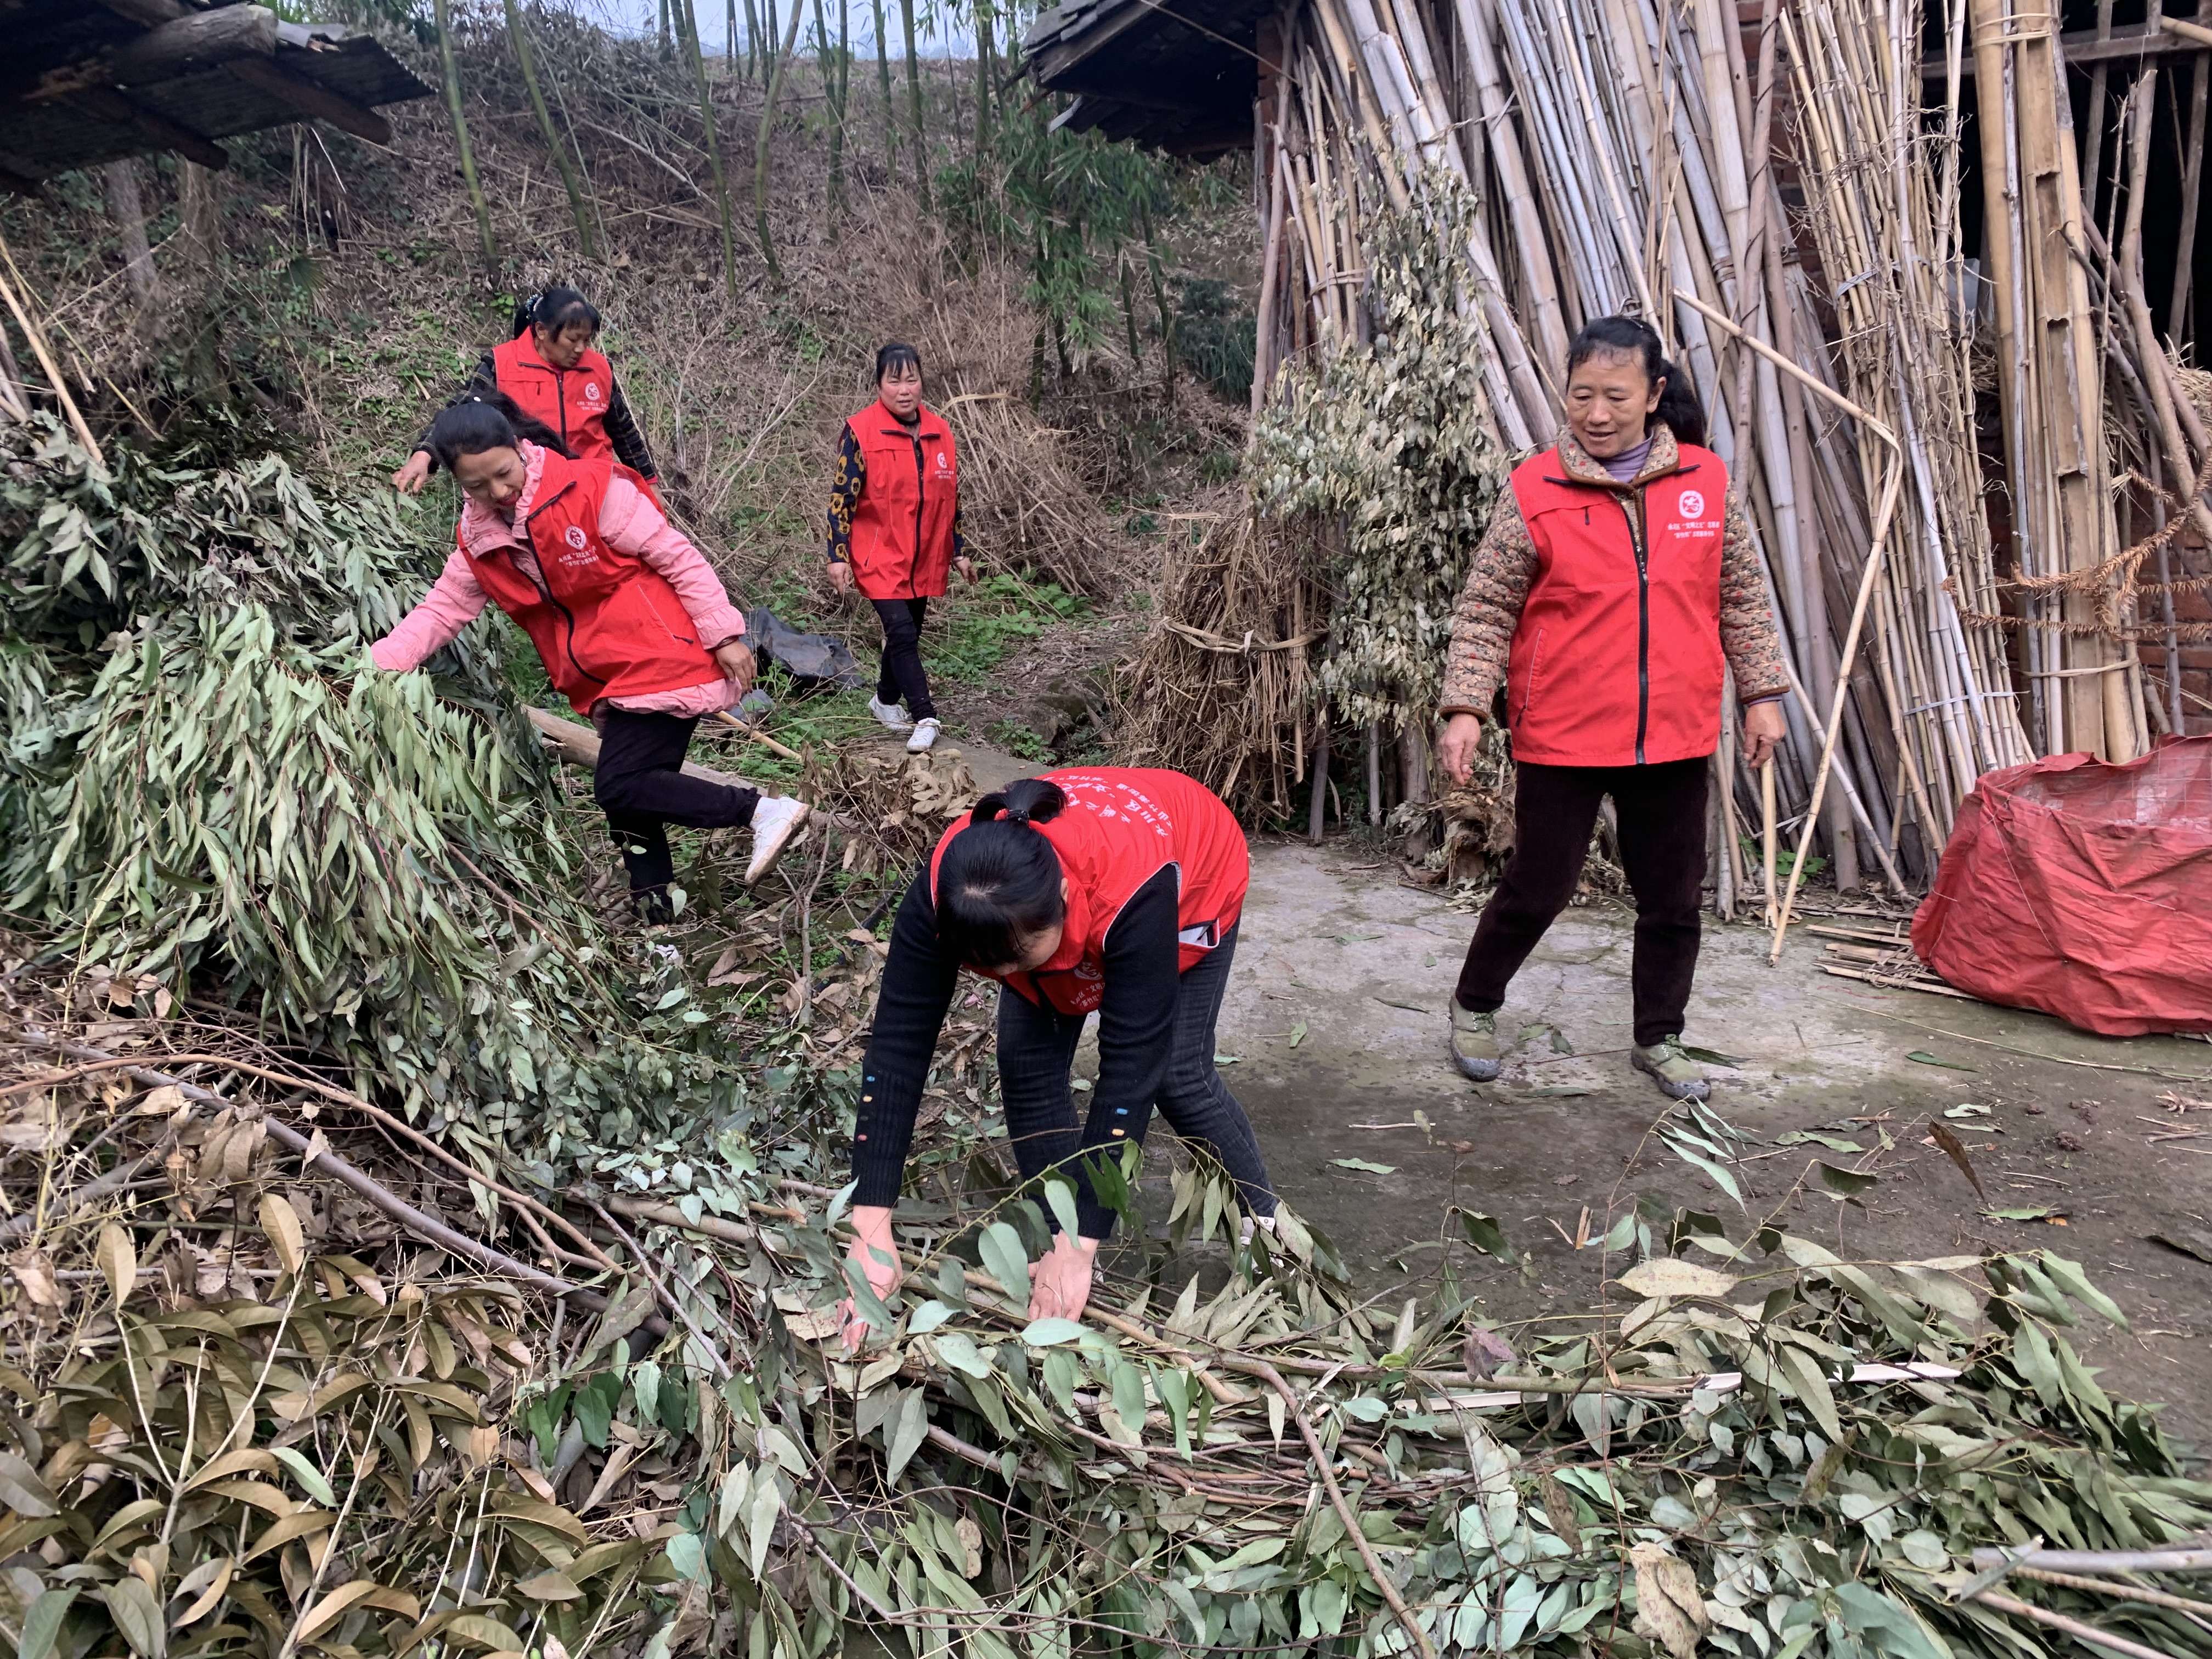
(631, 620)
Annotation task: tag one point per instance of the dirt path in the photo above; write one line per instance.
(1367, 965)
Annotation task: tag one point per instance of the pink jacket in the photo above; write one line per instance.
(631, 524)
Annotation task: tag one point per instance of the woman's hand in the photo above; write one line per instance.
(1059, 1284)
(840, 575)
(1456, 748)
(1763, 728)
(411, 478)
(735, 659)
(966, 567)
(877, 1255)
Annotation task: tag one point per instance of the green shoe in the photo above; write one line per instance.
(1674, 1072)
(1474, 1044)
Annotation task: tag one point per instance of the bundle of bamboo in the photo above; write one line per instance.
(1631, 157)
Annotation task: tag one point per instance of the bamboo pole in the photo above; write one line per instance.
(761, 152)
(468, 155)
(525, 57)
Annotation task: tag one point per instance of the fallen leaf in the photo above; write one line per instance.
(1224, 1060)
(1927, 1059)
(1668, 1276)
(1849, 1182)
(1485, 1354)
(1713, 1057)
(2025, 1212)
(1559, 1043)
(1955, 1149)
(1560, 1091)
(1298, 1034)
(1965, 1108)
(1668, 1605)
(1362, 1163)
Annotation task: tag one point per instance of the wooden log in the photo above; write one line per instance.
(2196, 33)
(200, 40)
(312, 98)
(580, 746)
(2098, 1561)
(106, 104)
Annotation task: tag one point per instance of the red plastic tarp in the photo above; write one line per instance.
(2082, 889)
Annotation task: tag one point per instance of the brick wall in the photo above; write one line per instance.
(2189, 558)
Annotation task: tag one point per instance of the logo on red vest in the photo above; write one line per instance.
(1693, 504)
(591, 391)
(576, 538)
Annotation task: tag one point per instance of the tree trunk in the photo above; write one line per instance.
(687, 20)
(202, 217)
(518, 31)
(884, 84)
(452, 71)
(129, 207)
(1317, 808)
(1128, 306)
(761, 152)
(752, 40)
(833, 93)
(914, 104)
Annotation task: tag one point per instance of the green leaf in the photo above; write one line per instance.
(1847, 1182)
(1967, 1108)
(21, 1489)
(1927, 1059)
(309, 1477)
(2069, 1278)
(1362, 1163)
(870, 1305)
(1006, 1261)
(1298, 1034)
(928, 1317)
(42, 1623)
(687, 1553)
(904, 1431)
(138, 1616)
(1059, 1195)
(1483, 1232)
(1045, 1333)
(1714, 1057)
(960, 1353)
(2022, 1213)
(1560, 1091)
(1226, 1059)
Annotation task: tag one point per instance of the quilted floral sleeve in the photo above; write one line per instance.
(1749, 639)
(1488, 612)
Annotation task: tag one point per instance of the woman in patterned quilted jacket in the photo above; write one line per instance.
(1616, 584)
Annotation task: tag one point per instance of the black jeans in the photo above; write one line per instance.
(641, 788)
(1662, 851)
(1037, 1056)
(900, 679)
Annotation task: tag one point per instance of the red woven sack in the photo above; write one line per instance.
(2084, 890)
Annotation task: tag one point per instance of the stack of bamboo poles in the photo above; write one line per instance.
(1623, 152)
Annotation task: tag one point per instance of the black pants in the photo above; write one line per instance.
(1662, 851)
(642, 789)
(1036, 1057)
(900, 679)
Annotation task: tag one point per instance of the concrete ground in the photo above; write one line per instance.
(1357, 968)
(1338, 954)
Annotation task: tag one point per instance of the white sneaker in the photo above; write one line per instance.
(889, 715)
(924, 735)
(776, 821)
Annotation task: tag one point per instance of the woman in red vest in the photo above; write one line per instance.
(895, 530)
(630, 621)
(555, 376)
(1107, 889)
(1610, 590)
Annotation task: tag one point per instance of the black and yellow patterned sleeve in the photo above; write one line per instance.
(624, 434)
(845, 495)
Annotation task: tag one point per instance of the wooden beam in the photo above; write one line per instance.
(105, 104)
(312, 98)
(201, 42)
(2126, 43)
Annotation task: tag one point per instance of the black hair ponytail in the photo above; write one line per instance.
(478, 420)
(998, 886)
(554, 309)
(1632, 337)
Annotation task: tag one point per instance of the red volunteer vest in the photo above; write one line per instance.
(605, 622)
(1121, 825)
(573, 402)
(1617, 658)
(902, 524)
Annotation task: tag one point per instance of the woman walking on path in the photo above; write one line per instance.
(1607, 594)
(1107, 889)
(555, 376)
(895, 530)
(631, 622)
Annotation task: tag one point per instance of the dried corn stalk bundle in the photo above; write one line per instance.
(1222, 687)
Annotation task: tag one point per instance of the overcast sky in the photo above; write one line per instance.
(639, 16)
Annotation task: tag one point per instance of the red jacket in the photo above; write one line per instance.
(605, 622)
(902, 524)
(1121, 825)
(573, 402)
(1616, 660)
